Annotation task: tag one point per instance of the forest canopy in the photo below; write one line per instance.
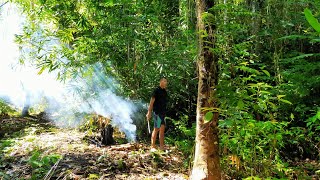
(267, 81)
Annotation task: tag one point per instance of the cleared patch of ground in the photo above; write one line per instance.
(31, 149)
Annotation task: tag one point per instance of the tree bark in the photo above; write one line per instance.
(26, 107)
(107, 135)
(206, 162)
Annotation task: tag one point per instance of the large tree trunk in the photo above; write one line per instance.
(206, 162)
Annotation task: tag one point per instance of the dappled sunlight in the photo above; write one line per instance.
(231, 87)
(17, 81)
(39, 138)
(66, 103)
(77, 157)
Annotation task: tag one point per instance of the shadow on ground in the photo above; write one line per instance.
(33, 149)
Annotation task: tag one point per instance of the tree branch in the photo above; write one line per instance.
(3, 4)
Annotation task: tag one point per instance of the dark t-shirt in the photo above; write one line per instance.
(161, 100)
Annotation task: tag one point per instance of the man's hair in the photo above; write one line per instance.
(163, 77)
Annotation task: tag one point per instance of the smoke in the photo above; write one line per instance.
(96, 94)
(66, 103)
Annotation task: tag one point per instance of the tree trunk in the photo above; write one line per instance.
(25, 111)
(26, 107)
(107, 135)
(206, 162)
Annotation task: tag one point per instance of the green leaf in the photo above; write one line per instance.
(291, 116)
(285, 101)
(266, 72)
(315, 41)
(41, 70)
(298, 57)
(248, 69)
(318, 115)
(312, 20)
(272, 104)
(240, 104)
(262, 103)
(280, 96)
(208, 17)
(35, 164)
(253, 85)
(46, 160)
(265, 92)
(109, 3)
(93, 176)
(208, 117)
(294, 37)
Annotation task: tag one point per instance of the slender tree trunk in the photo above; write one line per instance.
(206, 162)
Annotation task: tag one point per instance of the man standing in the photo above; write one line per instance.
(158, 104)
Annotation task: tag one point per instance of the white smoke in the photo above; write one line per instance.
(67, 103)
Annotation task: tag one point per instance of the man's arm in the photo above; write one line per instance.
(150, 108)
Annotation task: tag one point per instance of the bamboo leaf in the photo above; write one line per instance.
(280, 96)
(298, 57)
(266, 72)
(285, 101)
(294, 37)
(253, 85)
(312, 20)
(315, 40)
(240, 104)
(41, 70)
(248, 69)
(272, 104)
(291, 116)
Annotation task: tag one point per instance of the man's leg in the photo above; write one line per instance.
(161, 136)
(156, 125)
(154, 137)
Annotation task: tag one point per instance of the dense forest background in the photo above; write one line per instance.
(268, 56)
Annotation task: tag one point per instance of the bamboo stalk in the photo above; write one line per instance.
(3, 4)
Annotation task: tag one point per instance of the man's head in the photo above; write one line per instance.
(163, 82)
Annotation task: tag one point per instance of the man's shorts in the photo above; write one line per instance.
(158, 120)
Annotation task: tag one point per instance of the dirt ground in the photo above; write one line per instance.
(30, 149)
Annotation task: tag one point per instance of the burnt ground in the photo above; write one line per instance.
(33, 149)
